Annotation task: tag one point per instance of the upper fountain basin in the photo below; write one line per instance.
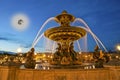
(61, 34)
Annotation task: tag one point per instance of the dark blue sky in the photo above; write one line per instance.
(102, 16)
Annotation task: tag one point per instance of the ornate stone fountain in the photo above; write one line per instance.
(65, 35)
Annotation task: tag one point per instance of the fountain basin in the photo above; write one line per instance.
(65, 33)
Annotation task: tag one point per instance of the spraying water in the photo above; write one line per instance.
(92, 36)
(82, 21)
(38, 34)
(99, 41)
(86, 27)
(95, 38)
(38, 40)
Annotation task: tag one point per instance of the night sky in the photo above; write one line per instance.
(102, 16)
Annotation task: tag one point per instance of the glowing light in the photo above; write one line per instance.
(118, 47)
(80, 53)
(51, 56)
(20, 22)
(19, 50)
(117, 56)
(44, 55)
(93, 67)
(44, 68)
(35, 53)
(86, 56)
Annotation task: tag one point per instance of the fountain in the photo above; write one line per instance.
(65, 35)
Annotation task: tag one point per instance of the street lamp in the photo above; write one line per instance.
(118, 47)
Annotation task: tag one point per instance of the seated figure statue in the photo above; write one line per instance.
(30, 62)
(99, 57)
(73, 54)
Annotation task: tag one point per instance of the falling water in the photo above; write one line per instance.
(95, 38)
(92, 35)
(49, 45)
(99, 41)
(79, 46)
(85, 47)
(53, 46)
(48, 20)
(85, 43)
(86, 27)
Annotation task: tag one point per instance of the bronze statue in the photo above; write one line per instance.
(99, 57)
(30, 62)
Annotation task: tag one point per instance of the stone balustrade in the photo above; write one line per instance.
(14, 73)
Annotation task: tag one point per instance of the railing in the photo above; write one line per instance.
(14, 73)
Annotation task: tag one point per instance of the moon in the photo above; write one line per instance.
(20, 22)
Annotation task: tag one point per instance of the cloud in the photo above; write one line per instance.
(7, 37)
(11, 38)
(4, 38)
(25, 45)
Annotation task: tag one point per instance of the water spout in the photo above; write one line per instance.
(87, 28)
(82, 21)
(95, 38)
(33, 45)
(38, 34)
